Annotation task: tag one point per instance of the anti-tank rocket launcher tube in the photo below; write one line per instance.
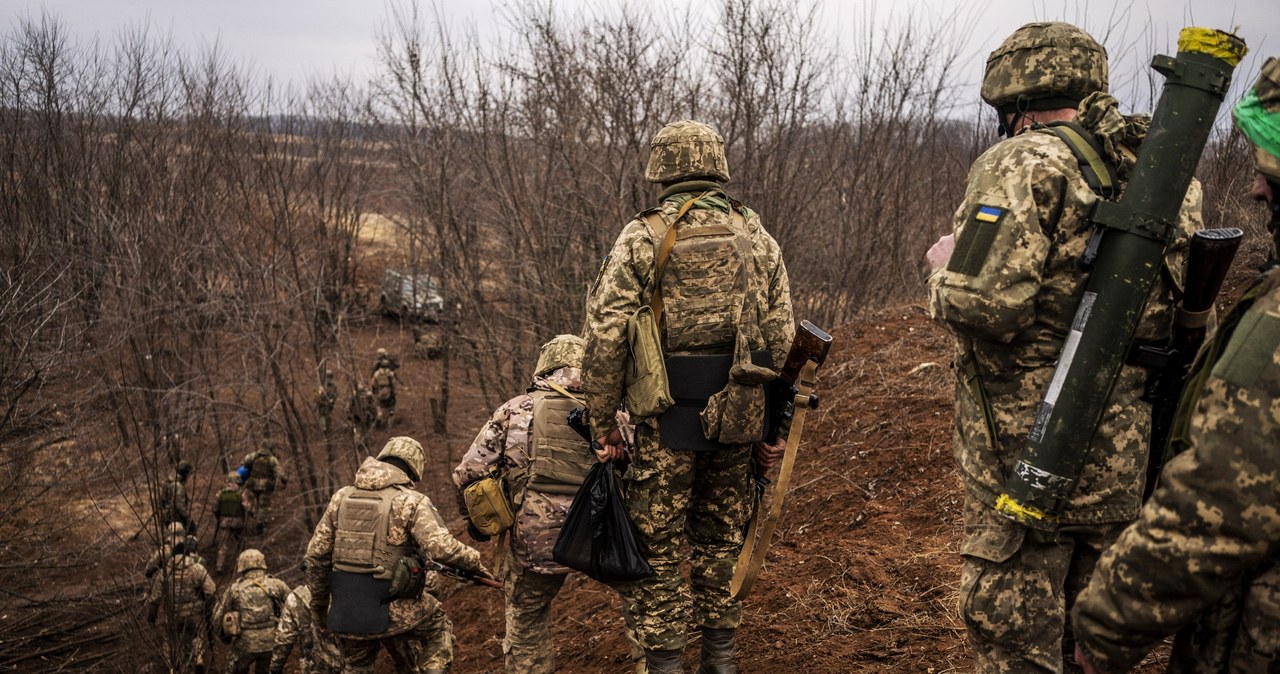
(1136, 232)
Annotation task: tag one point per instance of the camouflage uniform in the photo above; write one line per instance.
(184, 591)
(173, 504)
(259, 599)
(675, 496)
(317, 650)
(383, 384)
(413, 521)
(264, 476)
(534, 579)
(231, 520)
(1204, 557)
(362, 412)
(174, 534)
(326, 399)
(1010, 307)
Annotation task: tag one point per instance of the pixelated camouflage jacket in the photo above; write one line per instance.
(413, 521)
(182, 589)
(1213, 522)
(259, 599)
(620, 290)
(175, 505)
(1011, 306)
(505, 438)
(317, 650)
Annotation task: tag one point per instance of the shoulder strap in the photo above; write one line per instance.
(668, 233)
(564, 391)
(1098, 172)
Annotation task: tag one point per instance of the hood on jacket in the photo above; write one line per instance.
(374, 475)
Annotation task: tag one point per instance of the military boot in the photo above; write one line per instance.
(663, 662)
(717, 651)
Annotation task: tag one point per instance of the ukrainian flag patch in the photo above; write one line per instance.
(988, 213)
(975, 240)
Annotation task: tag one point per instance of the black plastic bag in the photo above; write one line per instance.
(597, 537)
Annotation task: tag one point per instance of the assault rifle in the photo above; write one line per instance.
(461, 574)
(1212, 251)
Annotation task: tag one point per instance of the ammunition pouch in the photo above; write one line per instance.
(708, 401)
(408, 577)
(231, 624)
(647, 390)
(487, 506)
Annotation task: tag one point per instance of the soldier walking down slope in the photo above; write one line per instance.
(371, 537)
(261, 481)
(1204, 558)
(383, 382)
(543, 461)
(715, 283)
(172, 503)
(247, 613)
(326, 399)
(184, 592)
(317, 649)
(1008, 295)
(233, 508)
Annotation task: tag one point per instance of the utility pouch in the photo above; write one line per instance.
(231, 623)
(736, 414)
(408, 578)
(648, 392)
(487, 506)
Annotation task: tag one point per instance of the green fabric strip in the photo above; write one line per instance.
(1260, 125)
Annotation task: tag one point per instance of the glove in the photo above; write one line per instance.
(475, 534)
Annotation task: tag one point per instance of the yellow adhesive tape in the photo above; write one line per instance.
(1215, 43)
(1022, 513)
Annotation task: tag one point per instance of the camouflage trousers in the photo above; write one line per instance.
(261, 506)
(239, 661)
(230, 542)
(677, 497)
(1017, 587)
(429, 645)
(185, 644)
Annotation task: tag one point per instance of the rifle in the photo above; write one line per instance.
(811, 343)
(1212, 251)
(461, 574)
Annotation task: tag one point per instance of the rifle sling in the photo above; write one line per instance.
(759, 535)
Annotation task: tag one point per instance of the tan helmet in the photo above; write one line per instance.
(382, 353)
(175, 530)
(1044, 66)
(250, 559)
(233, 477)
(684, 150)
(561, 351)
(408, 450)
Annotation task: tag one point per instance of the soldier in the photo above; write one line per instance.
(527, 426)
(261, 480)
(727, 305)
(383, 384)
(174, 534)
(247, 613)
(1009, 300)
(173, 505)
(186, 592)
(326, 399)
(317, 651)
(234, 507)
(1204, 558)
(370, 534)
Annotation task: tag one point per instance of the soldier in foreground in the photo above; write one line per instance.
(173, 504)
(326, 399)
(544, 461)
(317, 650)
(1204, 559)
(184, 591)
(263, 477)
(1009, 294)
(715, 281)
(353, 567)
(233, 509)
(383, 383)
(247, 612)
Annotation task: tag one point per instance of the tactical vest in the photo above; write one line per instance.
(229, 504)
(256, 606)
(360, 540)
(382, 386)
(701, 281)
(559, 458)
(188, 600)
(263, 468)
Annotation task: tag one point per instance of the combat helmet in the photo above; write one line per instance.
(250, 559)
(175, 530)
(561, 351)
(407, 450)
(684, 150)
(1044, 66)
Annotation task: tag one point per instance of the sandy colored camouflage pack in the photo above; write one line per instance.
(317, 650)
(257, 598)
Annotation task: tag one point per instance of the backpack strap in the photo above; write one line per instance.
(1098, 172)
(564, 391)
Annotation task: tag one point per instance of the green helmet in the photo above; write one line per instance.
(1258, 116)
(408, 450)
(1043, 66)
(686, 149)
(561, 351)
(250, 559)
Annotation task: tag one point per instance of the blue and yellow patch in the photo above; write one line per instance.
(988, 213)
(974, 242)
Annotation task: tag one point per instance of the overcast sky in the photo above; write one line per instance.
(296, 39)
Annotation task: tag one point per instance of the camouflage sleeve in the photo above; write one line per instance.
(617, 294)
(287, 630)
(1213, 517)
(778, 324)
(320, 554)
(208, 588)
(224, 604)
(989, 286)
(154, 563)
(485, 451)
(437, 542)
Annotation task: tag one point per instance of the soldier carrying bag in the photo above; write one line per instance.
(487, 505)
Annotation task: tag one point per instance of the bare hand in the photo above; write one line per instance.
(612, 446)
(940, 252)
(766, 455)
(1084, 662)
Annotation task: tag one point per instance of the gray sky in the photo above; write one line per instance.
(295, 39)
